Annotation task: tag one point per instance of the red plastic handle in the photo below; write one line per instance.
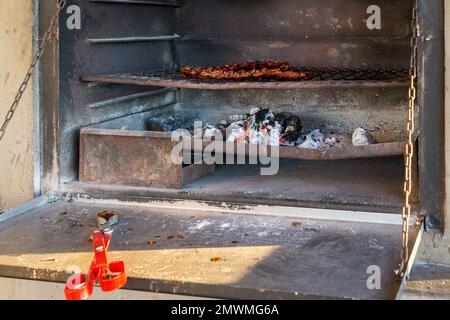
(77, 288)
(111, 277)
(116, 279)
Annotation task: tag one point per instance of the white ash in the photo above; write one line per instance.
(264, 127)
(318, 141)
(274, 134)
(236, 117)
(362, 137)
(237, 133)
(254, 110)
(258, 128)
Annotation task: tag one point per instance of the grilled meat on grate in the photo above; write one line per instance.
(268, 70)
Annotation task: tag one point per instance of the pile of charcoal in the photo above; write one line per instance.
(260, 127)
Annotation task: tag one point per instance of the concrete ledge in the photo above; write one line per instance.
(18, 289)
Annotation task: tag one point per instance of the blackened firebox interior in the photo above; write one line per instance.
(121, 70)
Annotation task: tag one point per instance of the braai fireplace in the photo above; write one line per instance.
(122, 69)
(318, 85)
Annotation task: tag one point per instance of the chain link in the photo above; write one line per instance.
(409, 152)
(49, 35)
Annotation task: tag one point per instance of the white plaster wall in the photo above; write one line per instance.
(16, 150)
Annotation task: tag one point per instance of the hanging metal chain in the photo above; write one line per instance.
(409, 155)
(49, 34)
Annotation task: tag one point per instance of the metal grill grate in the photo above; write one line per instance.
(370, 77)
(318, 74)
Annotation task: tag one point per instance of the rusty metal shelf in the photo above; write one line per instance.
(340, 152)
(322, 77)
(125, 147)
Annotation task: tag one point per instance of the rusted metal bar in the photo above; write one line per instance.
(191, 84)
(379, 150)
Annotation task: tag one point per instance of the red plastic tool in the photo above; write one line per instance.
(110, 276)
